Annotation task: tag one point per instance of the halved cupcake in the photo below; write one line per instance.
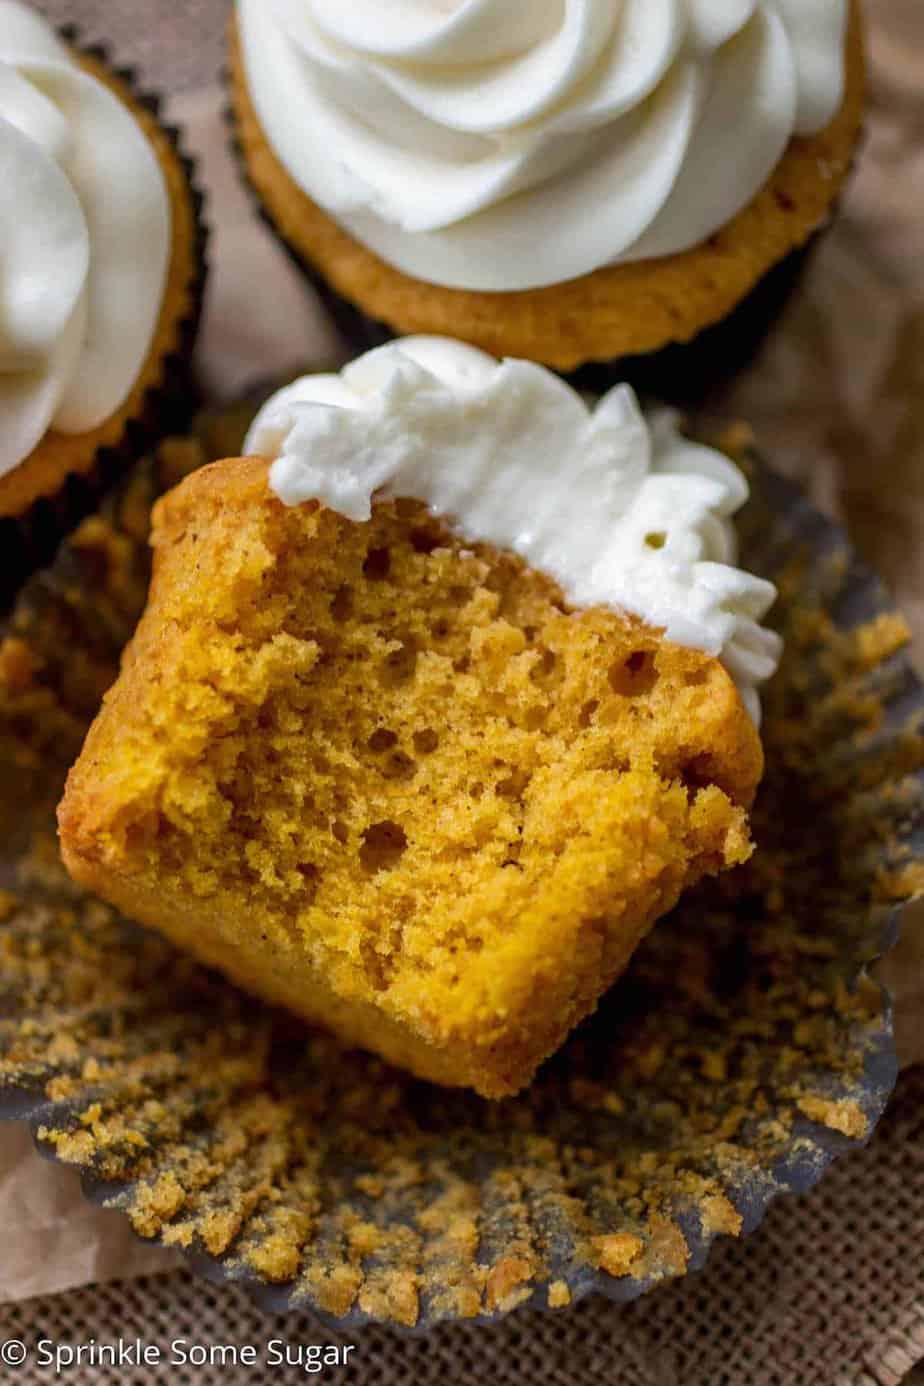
(429, 719)
(570, 183)
(103, 270)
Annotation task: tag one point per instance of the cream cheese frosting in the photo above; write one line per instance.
(621, 510)
(85, 230)
(484, 145)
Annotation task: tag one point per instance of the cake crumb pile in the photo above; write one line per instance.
(392, 783)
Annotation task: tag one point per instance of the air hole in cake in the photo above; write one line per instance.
(383, 846)
(426, 741)
(399, 766)
(340, 831)
(697, 677)
(399, 666)
(698, 773)
(463, 664)
(534, 719)
(586, 714)
(634, 676)
(327, 641)
(382, 740)
(475, 790)
(311, 876)
(424, 540)
(656, 540)
(546, 664)
(514, 786)
(341, 606)
(459, 595)
(142, 832)
(377, 565)
(440, 628)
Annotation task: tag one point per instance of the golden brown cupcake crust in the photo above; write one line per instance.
(59, 455)
(620, 310)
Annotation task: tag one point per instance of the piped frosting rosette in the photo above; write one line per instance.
(625, 129)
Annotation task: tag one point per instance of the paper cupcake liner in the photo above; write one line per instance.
(744, 1049)
(687, 373)
(30, 540)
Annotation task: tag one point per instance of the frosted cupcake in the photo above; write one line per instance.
(441, 699)
(102, 277)
(566, 182)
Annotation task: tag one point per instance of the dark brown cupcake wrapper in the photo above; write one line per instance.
(30, 540)
(744, 1050)
(688, 373)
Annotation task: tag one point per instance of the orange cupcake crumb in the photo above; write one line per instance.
(393, 783)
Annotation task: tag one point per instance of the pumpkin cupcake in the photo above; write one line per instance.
(569, 184)
(103, 271)
(437, 706)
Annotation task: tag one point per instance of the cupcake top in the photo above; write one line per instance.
(620, 510)
(446, 139)
(85, 227)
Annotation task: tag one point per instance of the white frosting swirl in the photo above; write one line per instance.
(481, 144)
(621, 511)
(84, 241)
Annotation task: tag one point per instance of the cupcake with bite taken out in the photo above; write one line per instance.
(442, 698)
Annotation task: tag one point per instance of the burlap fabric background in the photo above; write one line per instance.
(831, 1289)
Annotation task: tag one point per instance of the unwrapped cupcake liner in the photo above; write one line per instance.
(31, 539)
(744, 1049)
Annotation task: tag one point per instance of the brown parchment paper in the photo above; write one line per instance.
(836, 400)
